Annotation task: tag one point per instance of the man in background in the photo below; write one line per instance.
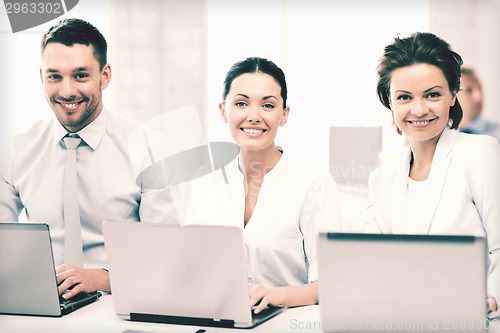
(470, 97)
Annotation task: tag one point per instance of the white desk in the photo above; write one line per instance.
(100, 317)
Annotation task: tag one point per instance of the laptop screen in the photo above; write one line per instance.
(27, 276)
(416, 280)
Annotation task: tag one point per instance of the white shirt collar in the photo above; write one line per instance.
(92, 134)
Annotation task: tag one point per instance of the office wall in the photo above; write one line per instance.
(472, 27)
(159, 56)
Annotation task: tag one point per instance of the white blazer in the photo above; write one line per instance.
(463, 194)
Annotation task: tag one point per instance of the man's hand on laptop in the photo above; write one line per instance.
(73, 280)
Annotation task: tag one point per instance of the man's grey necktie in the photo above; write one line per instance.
(72, 230)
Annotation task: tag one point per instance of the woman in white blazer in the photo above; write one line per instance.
(447, 182)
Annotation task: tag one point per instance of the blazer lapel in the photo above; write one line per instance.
(398, 194)
(437, 178)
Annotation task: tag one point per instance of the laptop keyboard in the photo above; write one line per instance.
(73, 299)
(265, 312)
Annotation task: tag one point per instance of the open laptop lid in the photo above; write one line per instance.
(182, 275)
(27, 276)
(401, 282)
(28, 284)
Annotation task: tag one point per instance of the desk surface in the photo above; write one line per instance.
(100, 317)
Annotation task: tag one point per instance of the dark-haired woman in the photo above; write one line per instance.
(447, 182)
(279, 201)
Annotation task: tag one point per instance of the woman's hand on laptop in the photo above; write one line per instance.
(73, 280)
(260, 296)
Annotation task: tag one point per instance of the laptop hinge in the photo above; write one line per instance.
(177, 320)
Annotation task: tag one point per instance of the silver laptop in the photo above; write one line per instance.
(192, 275)
(410, 283)
(28, 284)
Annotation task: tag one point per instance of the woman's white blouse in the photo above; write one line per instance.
(295, 200)
(417, 190)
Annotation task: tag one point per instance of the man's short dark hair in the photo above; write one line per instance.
(76, 31)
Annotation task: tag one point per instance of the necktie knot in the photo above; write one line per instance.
(72, 143)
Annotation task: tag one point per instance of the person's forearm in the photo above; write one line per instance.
(299, 295)
(103, 283)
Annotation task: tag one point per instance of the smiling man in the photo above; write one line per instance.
(34, 169)
(73, 80)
